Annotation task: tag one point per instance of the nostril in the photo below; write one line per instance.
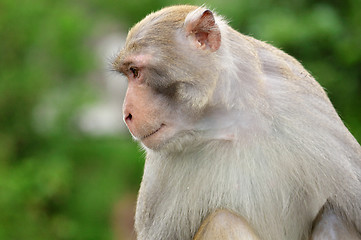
(129, 117)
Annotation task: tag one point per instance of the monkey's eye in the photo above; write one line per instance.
(134, 71)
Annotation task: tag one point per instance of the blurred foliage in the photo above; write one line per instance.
(59, 183)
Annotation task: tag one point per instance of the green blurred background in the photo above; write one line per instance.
(60, 178)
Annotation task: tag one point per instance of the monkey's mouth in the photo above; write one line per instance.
(152, 133)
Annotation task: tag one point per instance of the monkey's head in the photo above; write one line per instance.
(170, 61)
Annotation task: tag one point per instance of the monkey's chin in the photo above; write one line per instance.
(170, 140)
(156, 139)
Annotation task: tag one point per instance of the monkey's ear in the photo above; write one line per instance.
(201, 25)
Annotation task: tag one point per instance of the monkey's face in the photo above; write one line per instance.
(172, 74)
(149, 115)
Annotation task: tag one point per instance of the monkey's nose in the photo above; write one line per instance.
(128, 118)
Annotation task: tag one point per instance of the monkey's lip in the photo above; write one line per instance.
(152, 133)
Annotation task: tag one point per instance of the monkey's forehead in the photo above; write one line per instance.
(156, 26)
(155, 34)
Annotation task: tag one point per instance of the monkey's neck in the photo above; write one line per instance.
(231, 124)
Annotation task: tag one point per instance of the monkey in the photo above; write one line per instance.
(241, 141)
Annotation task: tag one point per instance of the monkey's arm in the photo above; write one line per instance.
(225, 225)
(330, 226)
